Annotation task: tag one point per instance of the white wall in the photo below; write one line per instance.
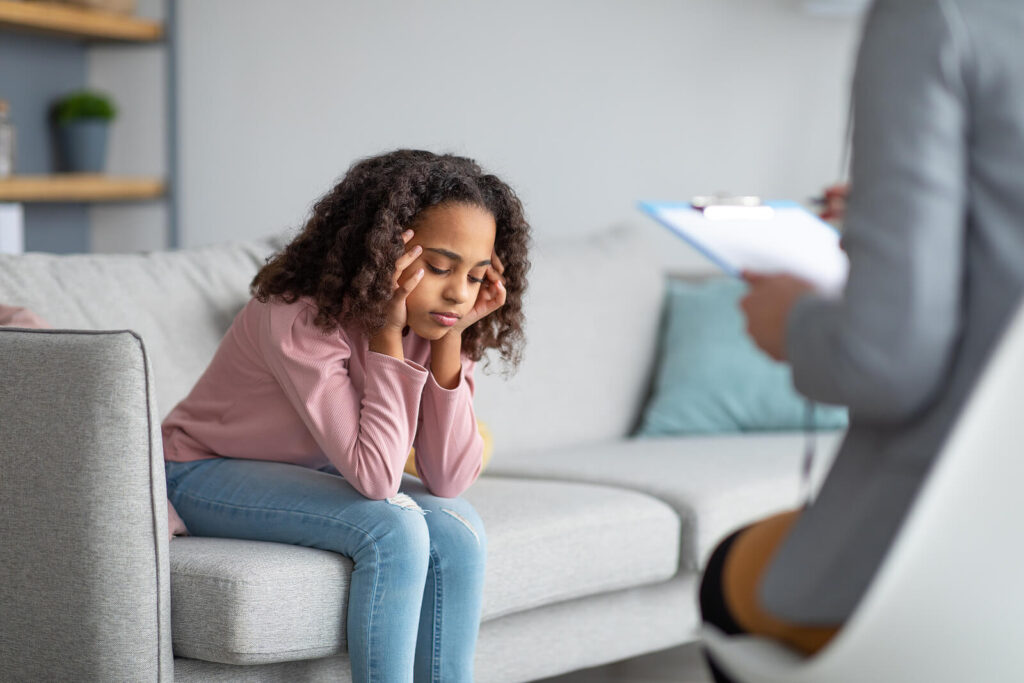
(584, 107)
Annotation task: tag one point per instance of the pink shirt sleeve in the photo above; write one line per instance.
(449, 448)
(16, 316)
(366, 435)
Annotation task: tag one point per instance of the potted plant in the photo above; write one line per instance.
(82, 120)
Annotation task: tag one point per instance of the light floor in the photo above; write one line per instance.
(679, 665)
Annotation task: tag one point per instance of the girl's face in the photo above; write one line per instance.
(458, 242)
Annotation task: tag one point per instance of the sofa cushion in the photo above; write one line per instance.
(549, 541)
(521, 646)
(714, 483)
(232, 601)
(180, 302)
(246, 602)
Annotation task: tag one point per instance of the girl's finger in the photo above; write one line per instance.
(405, 259)
(406, 287)
(407, 235)
(493, 277)
(496, 263)
(499, 296)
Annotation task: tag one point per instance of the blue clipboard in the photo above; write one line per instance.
(792, 240)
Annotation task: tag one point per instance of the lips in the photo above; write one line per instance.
(446, 318)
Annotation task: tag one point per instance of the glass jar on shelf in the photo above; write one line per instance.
(6, 141)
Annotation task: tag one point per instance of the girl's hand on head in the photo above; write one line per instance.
(397, 313)
(490, 298)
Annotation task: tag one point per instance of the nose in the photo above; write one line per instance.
(456, 291)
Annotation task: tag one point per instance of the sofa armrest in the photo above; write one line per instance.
(84, 570)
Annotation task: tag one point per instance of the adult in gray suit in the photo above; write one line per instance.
(935, 234)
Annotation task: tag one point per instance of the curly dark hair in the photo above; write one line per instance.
(344, 257)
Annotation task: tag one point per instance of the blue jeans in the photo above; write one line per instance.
(415, 593)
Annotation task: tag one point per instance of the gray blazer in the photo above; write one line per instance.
(935, 235)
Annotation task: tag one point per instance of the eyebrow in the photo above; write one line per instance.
(455, 257)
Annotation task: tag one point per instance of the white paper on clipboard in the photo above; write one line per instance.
(792, 241)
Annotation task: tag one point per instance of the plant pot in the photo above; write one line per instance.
(82, 145)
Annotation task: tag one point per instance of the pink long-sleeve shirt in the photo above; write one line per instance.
(279, 388)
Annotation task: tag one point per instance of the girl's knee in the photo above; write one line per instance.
(457, 528)
(401, 529)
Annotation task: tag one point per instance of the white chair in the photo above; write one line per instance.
(947, 604)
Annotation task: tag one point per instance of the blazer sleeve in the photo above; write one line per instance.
(883, 347)
(449, 448)
(366, 435)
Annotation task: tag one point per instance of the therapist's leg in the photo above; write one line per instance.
(729, 588)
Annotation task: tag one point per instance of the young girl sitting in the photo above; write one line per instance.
(359, 345)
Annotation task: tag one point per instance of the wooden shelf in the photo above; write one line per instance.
(79, 187)
(75, 22)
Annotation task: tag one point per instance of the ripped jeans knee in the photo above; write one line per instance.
(405, 501)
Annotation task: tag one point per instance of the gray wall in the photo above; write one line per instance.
(584, 106)
(34, 71)
(136, 76)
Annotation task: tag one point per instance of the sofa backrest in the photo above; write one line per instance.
(180, 302)
(592, 313)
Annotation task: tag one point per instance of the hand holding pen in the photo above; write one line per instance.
(833, 202)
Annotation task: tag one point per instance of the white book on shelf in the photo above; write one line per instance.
(12, 228)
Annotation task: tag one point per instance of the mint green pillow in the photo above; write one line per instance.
(711, 378)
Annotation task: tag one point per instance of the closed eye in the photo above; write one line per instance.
(439, 271)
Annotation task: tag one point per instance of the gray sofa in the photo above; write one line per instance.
(595, 539)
